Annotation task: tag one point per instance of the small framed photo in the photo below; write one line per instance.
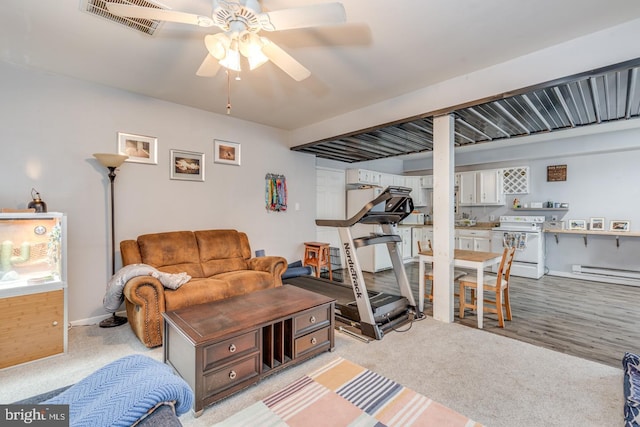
(226, 152)
(187, 165)
(596, 224)
(577, 224)
(618, 225)
(139, 148)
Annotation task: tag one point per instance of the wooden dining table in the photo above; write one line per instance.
(465, 259)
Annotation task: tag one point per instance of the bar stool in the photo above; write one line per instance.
(316, 254)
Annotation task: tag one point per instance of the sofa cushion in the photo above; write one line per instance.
(172, 252)
(244, 282)
(196, 291)
(221, 251)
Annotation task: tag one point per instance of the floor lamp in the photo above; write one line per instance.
(111, 162)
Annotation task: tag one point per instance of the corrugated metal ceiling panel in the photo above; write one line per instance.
(600, 96)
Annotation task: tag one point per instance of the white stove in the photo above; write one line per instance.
(525, 233)
(521, 223)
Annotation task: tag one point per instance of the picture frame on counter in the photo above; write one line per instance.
(596, 224)
(577, 224)
(619, 225)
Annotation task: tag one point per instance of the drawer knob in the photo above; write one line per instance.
(232, 348)
(55, 323)
(314, 340)
(232, 375)
(312, 319)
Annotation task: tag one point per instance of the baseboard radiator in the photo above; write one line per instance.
(605, 274)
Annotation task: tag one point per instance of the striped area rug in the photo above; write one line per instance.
(343, 393)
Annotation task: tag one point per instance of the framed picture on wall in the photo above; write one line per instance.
(596, 224)
(139, 148)
(226, 152)
(187, 165)
(620, 225)
(577, 224)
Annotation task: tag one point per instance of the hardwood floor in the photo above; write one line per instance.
(592, 320)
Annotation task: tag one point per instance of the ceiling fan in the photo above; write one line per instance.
(241, 21)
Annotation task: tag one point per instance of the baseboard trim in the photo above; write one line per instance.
(94, 320)
(594, 278)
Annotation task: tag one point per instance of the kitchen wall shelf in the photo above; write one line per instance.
(540, 209)
(586, 233)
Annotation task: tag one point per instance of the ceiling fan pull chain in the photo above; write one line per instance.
(228, 92)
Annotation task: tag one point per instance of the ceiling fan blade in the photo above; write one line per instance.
(217, 45)
(303, 17)
(209, 67)
(159, 14)
(283, 60)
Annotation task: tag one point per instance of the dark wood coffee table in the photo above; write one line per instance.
(224, 346)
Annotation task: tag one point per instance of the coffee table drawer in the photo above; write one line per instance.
(311, 341)
(231, 374)
(232, 347)
(311, 319)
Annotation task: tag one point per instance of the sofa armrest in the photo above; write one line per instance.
(275, 265)
(144, 298)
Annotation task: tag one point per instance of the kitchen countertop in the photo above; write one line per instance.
(478, 226)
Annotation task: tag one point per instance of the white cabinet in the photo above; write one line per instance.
(418, 194)
(480, 188)
(405, 248)
(399, 180)
(386, 180)
(363, 176)
(473, 240)
(426, 181)
(467, 188)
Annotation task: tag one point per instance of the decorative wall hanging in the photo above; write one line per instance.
(140, 149)
(556, 173)
(275, 193)
(187, 165)
(226, 152)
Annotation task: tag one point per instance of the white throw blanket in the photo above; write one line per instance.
(113, 297)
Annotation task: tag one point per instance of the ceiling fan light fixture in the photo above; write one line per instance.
(232, 58)
(256, 59)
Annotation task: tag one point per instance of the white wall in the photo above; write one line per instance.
(52, 124)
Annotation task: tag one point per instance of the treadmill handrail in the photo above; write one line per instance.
(387, 194)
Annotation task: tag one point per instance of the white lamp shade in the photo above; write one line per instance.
(110, 160)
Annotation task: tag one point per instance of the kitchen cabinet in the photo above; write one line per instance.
(405, 247)
(418, 194)
(33, 287)
(363, 176)
(480, 188)
(473, 240)
(386, 180)
(426, 181)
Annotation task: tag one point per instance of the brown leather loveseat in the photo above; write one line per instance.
(218, 261)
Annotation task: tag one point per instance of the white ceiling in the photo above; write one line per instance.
(386, 49)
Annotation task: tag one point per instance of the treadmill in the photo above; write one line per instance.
(372, 312)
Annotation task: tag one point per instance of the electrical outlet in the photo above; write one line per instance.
(492, 218)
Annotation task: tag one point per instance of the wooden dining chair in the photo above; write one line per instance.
(428, 273)
(498, 283)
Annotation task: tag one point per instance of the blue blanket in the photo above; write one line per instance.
(123, 391)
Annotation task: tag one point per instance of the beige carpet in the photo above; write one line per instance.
(494, 380)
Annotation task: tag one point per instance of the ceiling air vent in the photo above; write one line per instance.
(99, 8)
